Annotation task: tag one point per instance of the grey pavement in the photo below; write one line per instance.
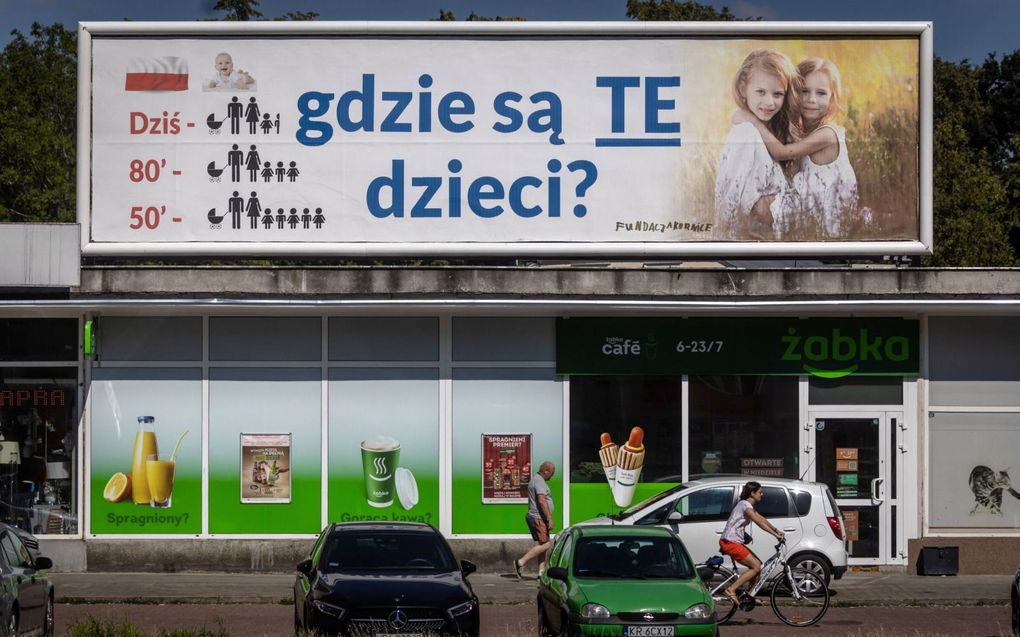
(854, 589)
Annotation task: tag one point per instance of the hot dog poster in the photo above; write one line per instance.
(622, 465)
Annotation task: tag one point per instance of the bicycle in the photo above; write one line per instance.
(798, 596)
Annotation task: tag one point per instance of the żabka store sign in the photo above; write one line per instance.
(565, 139)
(827, 348)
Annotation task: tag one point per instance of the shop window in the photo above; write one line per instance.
(745, 425)
(378, 338)
(38, 436)
(150, 338)
(265, 338)
(856, 390)
(616, 404)
(39, 339)
(504, 339)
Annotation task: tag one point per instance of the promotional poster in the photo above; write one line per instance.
(506, 468)
(359, 143)
(265, 468)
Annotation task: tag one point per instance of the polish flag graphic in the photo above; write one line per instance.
(157, 74)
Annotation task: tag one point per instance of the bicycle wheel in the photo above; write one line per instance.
(724, 608)
(805, 606)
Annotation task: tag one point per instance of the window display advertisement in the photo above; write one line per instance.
(146, 460)
(970, 461)
(384, 453)
(506, 468)
(265, 468)
(279, 139)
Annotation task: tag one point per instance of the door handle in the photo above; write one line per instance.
(874, 491)
(789, 529)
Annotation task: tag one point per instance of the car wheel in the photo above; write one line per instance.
(543, 623)
(815, 564)
(48, 619)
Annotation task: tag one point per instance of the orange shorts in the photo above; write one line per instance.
(736, 550)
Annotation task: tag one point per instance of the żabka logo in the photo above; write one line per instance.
(837, 348)
(619, 346)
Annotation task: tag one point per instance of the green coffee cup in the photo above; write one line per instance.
(379, 458)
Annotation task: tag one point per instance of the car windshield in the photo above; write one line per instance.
(632, 558)
(386, 551)
(626, 513)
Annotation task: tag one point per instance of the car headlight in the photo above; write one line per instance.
(595, 611)
(698, 611)
(461, 609)
(329, 609)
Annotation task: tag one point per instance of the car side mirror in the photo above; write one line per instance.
(557, 572)
(305, 566)
(675, 517)
(42, 563)
(467, 567)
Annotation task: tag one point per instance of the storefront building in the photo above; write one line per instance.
(275, 401)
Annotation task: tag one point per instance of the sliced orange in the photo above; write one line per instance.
(118, 487)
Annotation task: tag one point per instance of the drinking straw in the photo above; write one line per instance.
(178, 445)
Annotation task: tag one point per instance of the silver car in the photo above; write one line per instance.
(697, 512)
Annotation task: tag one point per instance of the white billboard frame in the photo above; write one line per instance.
(923, 31)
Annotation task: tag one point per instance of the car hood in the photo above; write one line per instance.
(668, 595)
(438, 589)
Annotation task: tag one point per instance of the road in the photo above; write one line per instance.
(507, 620)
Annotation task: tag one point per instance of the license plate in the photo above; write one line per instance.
(648, 631)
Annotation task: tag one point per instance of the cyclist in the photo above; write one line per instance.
(735, 536)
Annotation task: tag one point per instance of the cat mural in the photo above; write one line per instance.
(987, 486)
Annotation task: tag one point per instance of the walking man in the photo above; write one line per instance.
(539, 518)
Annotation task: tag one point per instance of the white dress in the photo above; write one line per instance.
(828, 192)
(746, 174)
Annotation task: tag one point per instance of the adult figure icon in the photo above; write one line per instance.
(235, 206)
(251, 115)
(252, 162)
(234, 111)
(254, 209)
(319, 218)
(235, 157)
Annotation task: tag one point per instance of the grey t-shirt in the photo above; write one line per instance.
(536, 487)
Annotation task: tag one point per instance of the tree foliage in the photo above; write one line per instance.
(38, 123)
(447, 16)
(671, 10)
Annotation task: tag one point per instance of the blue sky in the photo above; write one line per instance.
(963, 28)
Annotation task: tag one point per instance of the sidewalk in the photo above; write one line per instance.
(855, 589)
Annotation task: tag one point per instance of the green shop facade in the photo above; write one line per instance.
(276, 401)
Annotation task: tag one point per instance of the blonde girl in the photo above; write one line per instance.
(748, 179)
(824, 193)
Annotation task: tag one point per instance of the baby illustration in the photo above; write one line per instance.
(227, 78)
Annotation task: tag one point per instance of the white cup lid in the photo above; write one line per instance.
(407, 488)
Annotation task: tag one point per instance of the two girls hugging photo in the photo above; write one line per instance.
(784, 173)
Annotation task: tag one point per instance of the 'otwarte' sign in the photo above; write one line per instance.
(828, 348)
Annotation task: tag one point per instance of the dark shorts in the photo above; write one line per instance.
(539, 529)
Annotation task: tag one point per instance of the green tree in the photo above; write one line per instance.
(38, 120)
(447, 16)
(671, 10)
(239, 10)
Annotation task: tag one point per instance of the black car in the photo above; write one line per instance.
(1014, 602)
(367, 578)
(26, 594)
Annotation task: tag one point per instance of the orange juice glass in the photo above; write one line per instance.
(161, 480)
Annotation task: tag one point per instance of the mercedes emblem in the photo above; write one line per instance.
(397, 620)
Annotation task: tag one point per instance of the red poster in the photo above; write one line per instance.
(506, 468)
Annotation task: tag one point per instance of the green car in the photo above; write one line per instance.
(622, 580)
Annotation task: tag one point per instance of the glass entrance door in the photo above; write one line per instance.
(852, 453)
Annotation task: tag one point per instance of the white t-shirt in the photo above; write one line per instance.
(739, 523)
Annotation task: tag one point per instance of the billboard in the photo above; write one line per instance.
(523, 139)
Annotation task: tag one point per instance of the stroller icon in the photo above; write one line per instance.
(214, 172)
(214, 124)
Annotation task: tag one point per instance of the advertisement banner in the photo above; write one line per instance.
(233, 139)
(506, 468)
(146, 451)
(265, 468)
(827, 348)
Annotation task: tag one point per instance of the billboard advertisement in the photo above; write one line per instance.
(626, 139)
